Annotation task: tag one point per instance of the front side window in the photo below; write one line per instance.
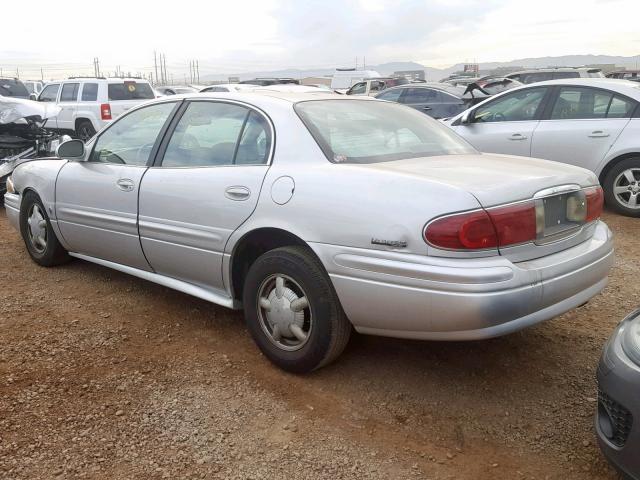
(49, 93)
(391, 95)
(514, 107)
(130, 140)
(90, 92)
(574, 103)
(69, 92)
(360, 131)
(358, 89)
(208, 135)
(559, 75)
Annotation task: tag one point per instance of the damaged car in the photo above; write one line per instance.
(24, 135)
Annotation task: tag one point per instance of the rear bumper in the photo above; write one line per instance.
(412, 296)
(619, 380)
(12, 207)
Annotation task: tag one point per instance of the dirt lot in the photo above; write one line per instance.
(106, 376)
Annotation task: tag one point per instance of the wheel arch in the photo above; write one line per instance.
(253, 244)
(83, 119)
(613, 162)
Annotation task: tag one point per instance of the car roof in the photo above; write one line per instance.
(556, 69)
(618, 85)
(260, 97)
(452, 89)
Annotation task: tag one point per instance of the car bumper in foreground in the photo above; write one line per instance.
(412, 296)
(618, 415)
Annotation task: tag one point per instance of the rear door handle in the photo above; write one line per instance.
(517, 136)
(237, 193)
(426, 108)
(125, 184)
(598, 133)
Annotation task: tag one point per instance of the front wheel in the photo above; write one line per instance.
(622, 187)
(38, 235)
(292, 311)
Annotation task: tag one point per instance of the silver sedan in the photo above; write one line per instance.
(320, 214)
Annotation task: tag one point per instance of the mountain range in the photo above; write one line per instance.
(432, 73)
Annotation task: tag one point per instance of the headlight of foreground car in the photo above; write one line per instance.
(631, 338)
(10, 188)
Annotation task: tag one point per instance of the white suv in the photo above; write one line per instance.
(88, 104)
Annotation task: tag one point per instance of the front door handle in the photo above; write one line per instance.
(125, 184)
(237, 193)
(598, 134)
(517, 136)
(426, 108)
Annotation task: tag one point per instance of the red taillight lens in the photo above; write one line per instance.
(497, 227)
(465, 231)
(595, 201)
(105, 111)
(514, 223)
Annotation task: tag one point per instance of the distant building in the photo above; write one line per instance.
(410, 74)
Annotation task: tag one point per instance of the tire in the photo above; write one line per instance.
(322, 322)
(49, 252)
(85, 130)
(619, 176)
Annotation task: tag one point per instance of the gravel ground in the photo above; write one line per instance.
(103, 375)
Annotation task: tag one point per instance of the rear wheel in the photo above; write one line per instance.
(37, 233)
(622, 187)
(292, 311)
(85, 130)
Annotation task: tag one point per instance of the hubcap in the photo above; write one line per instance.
(37, 228)
(626, 188)
(284, 313)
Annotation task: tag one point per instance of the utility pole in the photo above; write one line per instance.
(155, 65)
(41, 74)
(190, 71)
(198, 71)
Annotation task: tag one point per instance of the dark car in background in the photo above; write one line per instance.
(442, 100)
(12, 87)
(632, 75)
(618, 415)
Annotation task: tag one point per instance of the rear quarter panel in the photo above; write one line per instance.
(628, 142)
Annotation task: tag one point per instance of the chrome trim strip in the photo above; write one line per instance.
(179, 285)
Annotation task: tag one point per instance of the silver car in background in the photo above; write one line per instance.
(591, 123)
(318, 213)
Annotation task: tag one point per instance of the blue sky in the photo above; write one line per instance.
(242, 35)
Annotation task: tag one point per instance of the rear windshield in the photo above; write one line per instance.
(130, 91)
(12, 88)
(361, 131)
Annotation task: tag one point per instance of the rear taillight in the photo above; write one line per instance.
(105, 111)
(595, 201)
(514, 223)
(464, 231)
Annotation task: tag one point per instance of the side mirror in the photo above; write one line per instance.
(33, 96)
(71, 150)
(467, 118)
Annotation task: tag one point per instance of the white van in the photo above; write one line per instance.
(344, 79)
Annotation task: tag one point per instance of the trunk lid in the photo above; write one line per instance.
(493, 179)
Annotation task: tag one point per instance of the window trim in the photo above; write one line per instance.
(156, 145)
(162, 148)
(556, 94)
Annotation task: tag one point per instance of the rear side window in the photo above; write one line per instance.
(536, 77)
(130, 91)
(90, 92)
(419, 95)
(13, 88)
(69, 92)
(206, 135)
(50, 93)
(574, 103)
